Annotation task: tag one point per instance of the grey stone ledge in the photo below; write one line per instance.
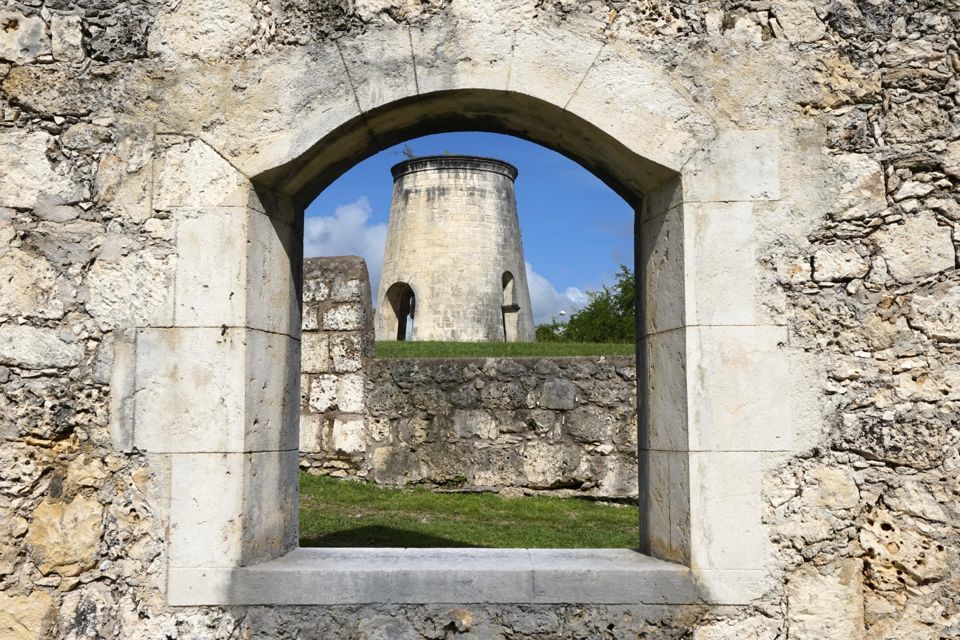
(422, 576)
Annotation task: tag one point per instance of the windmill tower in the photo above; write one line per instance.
(453, 266)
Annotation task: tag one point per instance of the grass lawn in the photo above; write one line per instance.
(427, 349)
(343, 513)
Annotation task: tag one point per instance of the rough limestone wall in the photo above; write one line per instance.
(521, 423)
(866, 518)
(336, 341)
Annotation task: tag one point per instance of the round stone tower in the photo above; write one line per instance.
(453, 266)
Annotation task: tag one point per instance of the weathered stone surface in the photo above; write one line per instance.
(27, 174)
(64, 536)
(32, 348)
(826, 602)
(22, 38)
(951, 161)
(67, 37)
(834, 489)
(837, 129)
(31, 287)
(755, 628)
(936, 311)
(203, 29)
(25, 617)
(110, 285)
(558, 394)
(86, 613)
(837, 263)
(862, 191)
(917, 248)
(799, 20)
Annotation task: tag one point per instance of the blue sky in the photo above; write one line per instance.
(576, 230)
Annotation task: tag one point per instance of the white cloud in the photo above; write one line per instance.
(347, 233)
(546, 302)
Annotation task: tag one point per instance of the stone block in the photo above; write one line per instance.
(348, 435)
(346, 353)
(64, 537)
(726, 531)
(323, 393)
(469, 424)
(666, 196)
(141, 276)
(381, 66)
(861, 188)
(311, 433)
(23, 39)
(251, 376)
(232, 509)
(719, 264)
(662, 257)
(347, 290)
(26, 617)
(28, 177)
(123, 389)
(37, 348)
(246, 282)
(918, 248)
(951, 161)
(67, 38)
(315, 352)
(838, 263)
(344, 317)
(738, 389)
(350, 393)
(202, 29)
(192, 175)
(666, 391)
(799, 20)
(558, 394)
(549, 64)
(736, 166)
(474, 54)
(665, 522)
(31, 287)
(826, 603)
(649, 108)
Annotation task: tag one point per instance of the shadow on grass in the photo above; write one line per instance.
(377, 536)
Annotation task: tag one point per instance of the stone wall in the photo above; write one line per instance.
(336, 342)
(533, 424)
(129, 132)
(536, 424)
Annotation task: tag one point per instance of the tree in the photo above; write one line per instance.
(608, 317)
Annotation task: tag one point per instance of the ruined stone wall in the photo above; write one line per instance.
(336, 343)
(535, 424)
(102, 102)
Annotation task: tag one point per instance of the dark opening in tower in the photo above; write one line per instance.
(399, 305)
(509, 308)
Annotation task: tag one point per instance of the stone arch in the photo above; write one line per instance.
(398, 310)
(251, 168)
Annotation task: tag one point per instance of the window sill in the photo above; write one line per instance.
(421, 576)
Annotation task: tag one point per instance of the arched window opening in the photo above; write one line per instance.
(400, 305)
(510, 308)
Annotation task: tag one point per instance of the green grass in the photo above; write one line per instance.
(428, 349)
(343, 513)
